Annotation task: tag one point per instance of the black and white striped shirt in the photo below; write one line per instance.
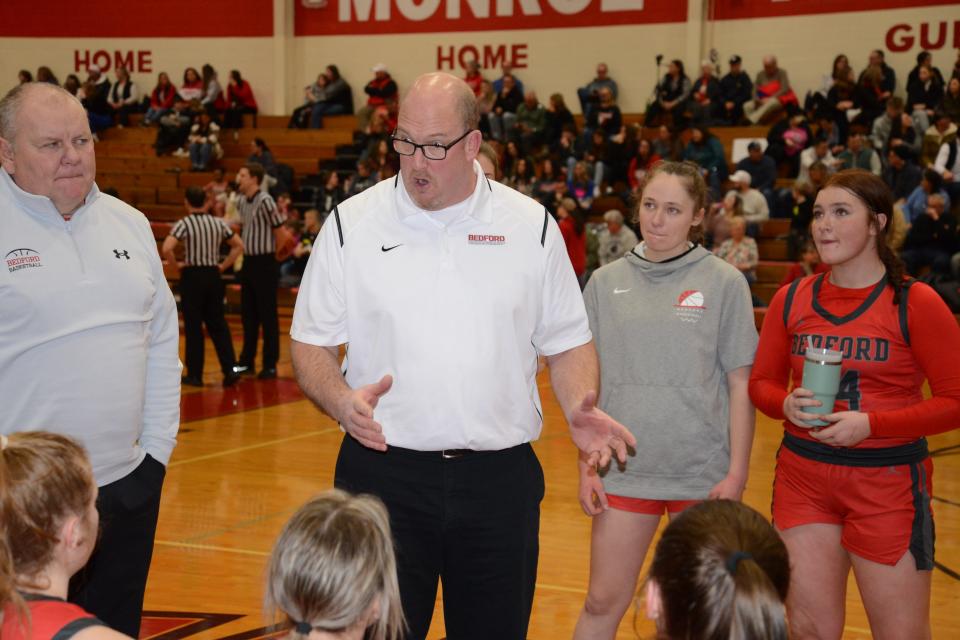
(259, 216)
(202, 234)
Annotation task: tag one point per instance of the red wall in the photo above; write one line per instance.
(740, 9)
(135, 19)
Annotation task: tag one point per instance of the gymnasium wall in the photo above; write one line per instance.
(280, 46)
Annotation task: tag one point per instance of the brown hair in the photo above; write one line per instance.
(722, 572)
(255, 169)
(876, 196)
(44, 477)
(693, 182)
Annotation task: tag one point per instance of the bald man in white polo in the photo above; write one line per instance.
(446, 287)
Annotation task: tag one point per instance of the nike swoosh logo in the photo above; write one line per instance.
(385, 248)
(616, 291)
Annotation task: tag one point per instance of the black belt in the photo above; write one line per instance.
(443, 454)
(909, 453)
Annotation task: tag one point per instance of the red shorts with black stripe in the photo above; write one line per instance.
(883, 511)
(648, 507)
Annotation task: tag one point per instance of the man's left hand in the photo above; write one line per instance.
(597, 434)
(849, 429)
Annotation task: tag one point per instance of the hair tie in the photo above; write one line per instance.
(3, 442)
(303, 628)
(733, 560)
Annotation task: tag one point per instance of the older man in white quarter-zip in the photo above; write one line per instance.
(88, 334)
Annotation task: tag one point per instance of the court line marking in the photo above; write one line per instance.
(243, 524)
(210, 547)
(251, 447)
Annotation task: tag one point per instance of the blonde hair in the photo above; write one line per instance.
(333, 564)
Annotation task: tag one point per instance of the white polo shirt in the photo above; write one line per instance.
(454, 304)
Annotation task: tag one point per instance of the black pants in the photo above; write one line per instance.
(201, 298)
(233, 117)
(258, 307)
(472, 522)
(112, 584)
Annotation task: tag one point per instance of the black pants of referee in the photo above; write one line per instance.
(201, 298)
(112, 584)
(472, 522)
(258, 307)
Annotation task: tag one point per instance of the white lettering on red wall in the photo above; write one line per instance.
(139, 61)
(352, 17)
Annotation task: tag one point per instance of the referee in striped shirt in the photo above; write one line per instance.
(201, 288)
(263, 233)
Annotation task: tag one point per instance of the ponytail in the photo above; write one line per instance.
(758, 611)
(893, 264)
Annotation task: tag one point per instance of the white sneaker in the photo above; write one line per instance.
(181, 153)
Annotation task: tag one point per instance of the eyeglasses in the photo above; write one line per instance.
(431, 151)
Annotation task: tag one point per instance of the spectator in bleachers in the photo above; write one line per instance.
(572, 222)
(888, 77)
(667, 145)
(924, 60)
(902, 174)
(522, 177)
(285, 206)
(950, 104)
(213, 100)
(558, 117)
(124, 97)
(44, 74)
(895, 128)
(336, 98)
(72, 84)
(808, 264)
(762, 169)
(755, 208)
(786, 140)
(330, 194)
(192, 87)
(941, 132)
(716, 223)
(511, 153)
(174, 130)
(590, 94)
(641, 162)
(705, 104)
(614, 239)
(312, 93)
(503, 116)
(485, 101)
(216, 191)
(489, 161)
(381, 92)
(947, 165)
(361, 181)
(819, 151)
(240, 100)
(24, 76)
(932, 238)
(580, 187)
(672, 95)
(96, 99)
(507, 70)
(736, 89)
(548, 177)
(924, 97)
(803, 195)
(161, 99)
(261, 154)
(531, 122)
(381, 158)
(292, 270)
(859, 155)
(474, 78)
(931, 183)
(772, 91)
(204, 142)
(604, 117)
(740, 250)
(707, 151)
(842, 106)
(869, 92)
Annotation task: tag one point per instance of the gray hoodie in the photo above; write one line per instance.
(667, 333)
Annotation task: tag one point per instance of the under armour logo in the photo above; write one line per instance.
(117, 253)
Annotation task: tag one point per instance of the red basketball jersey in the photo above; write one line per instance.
(879, 369)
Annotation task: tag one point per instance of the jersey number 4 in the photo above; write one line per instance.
(850, 389)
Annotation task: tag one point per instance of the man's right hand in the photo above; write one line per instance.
(356, 414)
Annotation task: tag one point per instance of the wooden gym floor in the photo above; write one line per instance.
(248, 457)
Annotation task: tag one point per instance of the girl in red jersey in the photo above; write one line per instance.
(857, 492)
(48, 528)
